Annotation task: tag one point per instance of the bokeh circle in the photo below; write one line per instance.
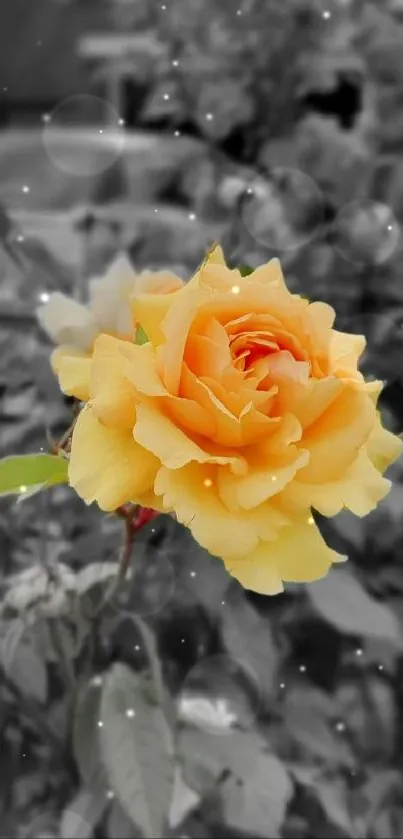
(284, 210)
(366, 233)
(84, 136)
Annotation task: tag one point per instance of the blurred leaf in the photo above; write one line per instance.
(222, 106)
(248, 638)
(136, 750)
(259, 805)
(119, 824)
(86, 746)
(28, 672)
(309, 717)
(82, 815)
(184, 800)
(35, 471)
(342, 601)
(155, 664)
(245, 270)
(333, 797)
(377, 792)
(95, 574)
(206, 756)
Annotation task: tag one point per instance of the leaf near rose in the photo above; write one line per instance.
(27, 474)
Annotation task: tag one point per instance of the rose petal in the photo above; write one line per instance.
(107, 465)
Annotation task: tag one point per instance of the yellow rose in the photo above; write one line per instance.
(75, 326)
(243, 411)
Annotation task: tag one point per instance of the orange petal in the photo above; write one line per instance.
(157, 432)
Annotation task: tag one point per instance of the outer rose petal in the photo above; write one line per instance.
(73, 369)
(383, 447)
(107, 466)
(298, 555)
(150, 310)
(67, 322)
(359, 489)
(113, 397)
(109, 298)
(191, 493)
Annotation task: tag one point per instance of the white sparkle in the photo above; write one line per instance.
(26, 189)
(359, 652)
(239, 12)
(182, 640)
(193, 573)
(101, 131)
(235, 289)
(100, 724)
(192, 216)
(222, 602)
(156, 210)
(282, 685)
(166, 96)
(121, 122)
(249, 190)
(96, 681)
(137, 647)
(130, 713)
(340, 726)
(44, 297)
(326, 15)
(302, 668)
(110, 794)
(380, 666)
(274, 478)
(175, 63)
(20, 238)
(177, 134)
(390, 226)
(311, 520)
(164, 8)
(209, 117)
(46, 117)
(23, 488)
(208, 482)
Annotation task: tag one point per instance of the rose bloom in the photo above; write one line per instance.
(243, 411)
(75, 326)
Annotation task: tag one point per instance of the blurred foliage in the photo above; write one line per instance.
(180, 704)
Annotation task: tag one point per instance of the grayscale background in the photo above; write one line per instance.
(155, 127)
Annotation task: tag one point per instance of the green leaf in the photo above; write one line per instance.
(25, 473)
(259, 805)
(245, 270)
(136, 750)
(141, 337)
(342, 601)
